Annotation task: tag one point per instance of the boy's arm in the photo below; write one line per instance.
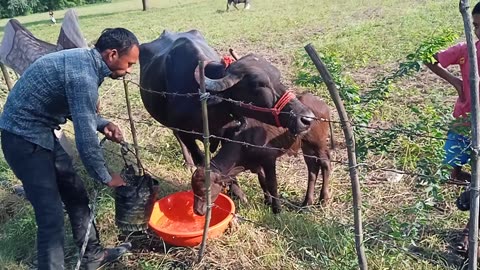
(447, 76)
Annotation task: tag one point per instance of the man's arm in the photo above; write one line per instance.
(82, 95)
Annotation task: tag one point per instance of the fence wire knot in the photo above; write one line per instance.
(204, 96)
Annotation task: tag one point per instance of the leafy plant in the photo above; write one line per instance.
(362, 107)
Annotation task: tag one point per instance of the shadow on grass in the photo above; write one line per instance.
(448, 258)
(322, 244)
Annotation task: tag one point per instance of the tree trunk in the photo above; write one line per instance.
(144, 3)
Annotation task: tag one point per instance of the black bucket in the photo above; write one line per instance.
(134, 202)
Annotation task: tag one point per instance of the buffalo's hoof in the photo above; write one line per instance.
(305, 209)
(325, 198)
(267, 202)
(307, 203)
(276, 209)
(234, 224)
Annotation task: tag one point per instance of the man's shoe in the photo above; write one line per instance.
(108, 256)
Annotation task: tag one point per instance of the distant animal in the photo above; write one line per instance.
(235, 2)
(169, 68)
(234, 158)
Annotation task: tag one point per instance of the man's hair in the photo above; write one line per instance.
(476, 9)
(116, 38)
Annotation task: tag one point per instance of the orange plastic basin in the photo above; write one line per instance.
(174, 221)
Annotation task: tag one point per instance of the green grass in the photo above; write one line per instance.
(371, 38)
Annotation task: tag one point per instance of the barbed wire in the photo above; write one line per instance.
(237, 102)
(283, 150)
(291, 113)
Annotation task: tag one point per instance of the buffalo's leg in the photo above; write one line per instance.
(185, 152)
(191, 153)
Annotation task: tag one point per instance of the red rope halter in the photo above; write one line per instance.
(276, 110)
(227, 60)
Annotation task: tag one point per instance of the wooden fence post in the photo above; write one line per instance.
(206, 144)
(352, 159)
(474, 184)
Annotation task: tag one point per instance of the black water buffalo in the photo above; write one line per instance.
(235, 2)
(234, 157)
(169, 64)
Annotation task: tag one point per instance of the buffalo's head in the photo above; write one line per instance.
(255, 81)
(217, 182)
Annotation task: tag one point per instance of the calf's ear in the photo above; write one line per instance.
(235, 170)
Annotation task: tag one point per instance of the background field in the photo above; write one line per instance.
(409, 224)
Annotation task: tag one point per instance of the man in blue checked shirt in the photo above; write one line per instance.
(55, 87)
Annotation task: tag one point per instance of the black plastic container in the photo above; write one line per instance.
(134, 202)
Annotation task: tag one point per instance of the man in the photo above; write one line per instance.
(57, 86)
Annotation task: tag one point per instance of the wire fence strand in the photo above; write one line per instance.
(291, 113)
(372, 167)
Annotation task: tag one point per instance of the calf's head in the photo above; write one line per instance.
(255, 83)
(217, 182)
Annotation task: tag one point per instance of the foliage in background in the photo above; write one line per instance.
(362, 107)
(12, 8)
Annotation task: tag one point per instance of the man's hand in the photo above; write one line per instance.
(117, 181)
(113, 133)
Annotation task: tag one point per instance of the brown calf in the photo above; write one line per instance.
(234, 158)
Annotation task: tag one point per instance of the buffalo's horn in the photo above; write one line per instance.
(217, 85)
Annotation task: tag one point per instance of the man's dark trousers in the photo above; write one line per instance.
(49, 178)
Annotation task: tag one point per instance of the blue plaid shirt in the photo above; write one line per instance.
(55, 87)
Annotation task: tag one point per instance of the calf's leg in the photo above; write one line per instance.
(326, 168)
(237, 191)
(263, 184)
(313, 167)
(322, 161)
(271, 184)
